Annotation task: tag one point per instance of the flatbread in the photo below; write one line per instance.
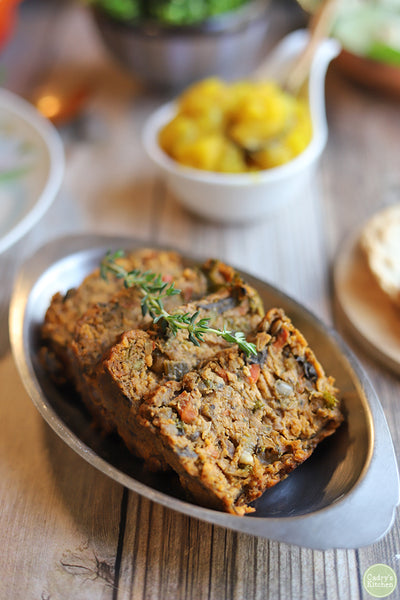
(380, 241)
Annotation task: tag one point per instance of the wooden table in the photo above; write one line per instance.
(69, 532)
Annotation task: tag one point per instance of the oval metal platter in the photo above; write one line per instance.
(343, 496)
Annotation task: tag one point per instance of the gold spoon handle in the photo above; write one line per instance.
(319, 28)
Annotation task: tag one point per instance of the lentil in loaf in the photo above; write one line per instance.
(141, 360)
(102, 324)
(66, 309)
(236, 426)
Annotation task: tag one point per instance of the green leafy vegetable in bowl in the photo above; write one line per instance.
(168, 12)
(370, 29)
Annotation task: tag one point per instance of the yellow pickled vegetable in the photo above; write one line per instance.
(238, 127)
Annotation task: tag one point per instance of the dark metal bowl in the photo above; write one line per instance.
(228, 45)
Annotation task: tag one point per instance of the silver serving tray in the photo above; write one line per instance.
(343, 496)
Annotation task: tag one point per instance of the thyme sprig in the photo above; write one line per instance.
(154, 290)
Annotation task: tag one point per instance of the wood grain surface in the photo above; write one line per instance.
(69, 532)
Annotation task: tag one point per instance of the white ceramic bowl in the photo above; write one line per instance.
(236, 198)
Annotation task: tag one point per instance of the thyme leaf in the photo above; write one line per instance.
(154, 290)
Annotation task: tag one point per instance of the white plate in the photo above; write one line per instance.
(371, 316)
(31, 167)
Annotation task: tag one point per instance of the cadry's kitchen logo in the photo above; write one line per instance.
(379, 580)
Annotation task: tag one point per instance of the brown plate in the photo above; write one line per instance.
(372, 317)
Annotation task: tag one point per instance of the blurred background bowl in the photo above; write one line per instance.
(369, 73)
(228, 45)
(369, 33)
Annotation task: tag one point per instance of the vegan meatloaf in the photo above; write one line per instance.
(66, 309)
(101, 325)
(141, 360)
(235, 426)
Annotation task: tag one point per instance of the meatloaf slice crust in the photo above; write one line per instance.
(236, 426)
(141, 360)
(102, 324)
(66, 309)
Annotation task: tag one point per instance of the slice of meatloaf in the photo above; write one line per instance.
(101, 325)
(236, 426)
(65, 309)
(141, 360)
